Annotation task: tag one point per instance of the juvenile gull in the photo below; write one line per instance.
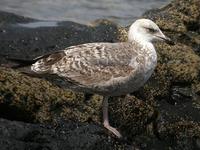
(108, 69)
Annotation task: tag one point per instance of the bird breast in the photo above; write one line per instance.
(148, 62)
(144, 65)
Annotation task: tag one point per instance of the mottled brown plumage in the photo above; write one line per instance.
(109, 69)
(89, 66)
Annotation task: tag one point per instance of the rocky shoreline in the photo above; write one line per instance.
(164, 114)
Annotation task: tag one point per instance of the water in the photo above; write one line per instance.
(38, 24)
(81, 11)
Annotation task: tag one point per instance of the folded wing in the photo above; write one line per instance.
(90, 63)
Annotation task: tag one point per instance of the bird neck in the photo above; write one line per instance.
(145, 45)
(143, 42)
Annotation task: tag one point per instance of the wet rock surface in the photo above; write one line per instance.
(164, 114)
(25, 39)
(65, 135)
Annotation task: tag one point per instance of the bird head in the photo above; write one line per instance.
(145, 30)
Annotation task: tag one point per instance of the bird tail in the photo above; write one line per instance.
(21, 63)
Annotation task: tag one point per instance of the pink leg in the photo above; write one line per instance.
(106, 120)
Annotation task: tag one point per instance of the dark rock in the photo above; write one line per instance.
(29, 40)
(131, 115)
(180, 94)
(7, 18)
(181, 135)
(140, 118)
(63, 136)
(35, 100)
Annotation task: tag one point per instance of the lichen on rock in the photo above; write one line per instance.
(176, 78)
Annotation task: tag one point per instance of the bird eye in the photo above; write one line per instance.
(152, 30)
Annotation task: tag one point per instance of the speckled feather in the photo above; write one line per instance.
(110, 69)
(96, 67)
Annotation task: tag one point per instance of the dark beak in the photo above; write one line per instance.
(167, 40)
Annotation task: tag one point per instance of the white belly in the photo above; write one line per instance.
(132, 84)
(125, 85)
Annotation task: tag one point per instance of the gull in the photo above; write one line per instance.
(107, 69)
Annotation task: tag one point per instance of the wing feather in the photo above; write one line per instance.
(90, 63)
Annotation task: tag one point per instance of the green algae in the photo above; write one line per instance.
(131, 115)
(177, 64)
(181, 61)
(42, 100)
(181, 134)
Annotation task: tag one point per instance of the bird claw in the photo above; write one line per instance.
(113, 130)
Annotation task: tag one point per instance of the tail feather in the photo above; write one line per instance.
(23, 65)
(20, 63)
